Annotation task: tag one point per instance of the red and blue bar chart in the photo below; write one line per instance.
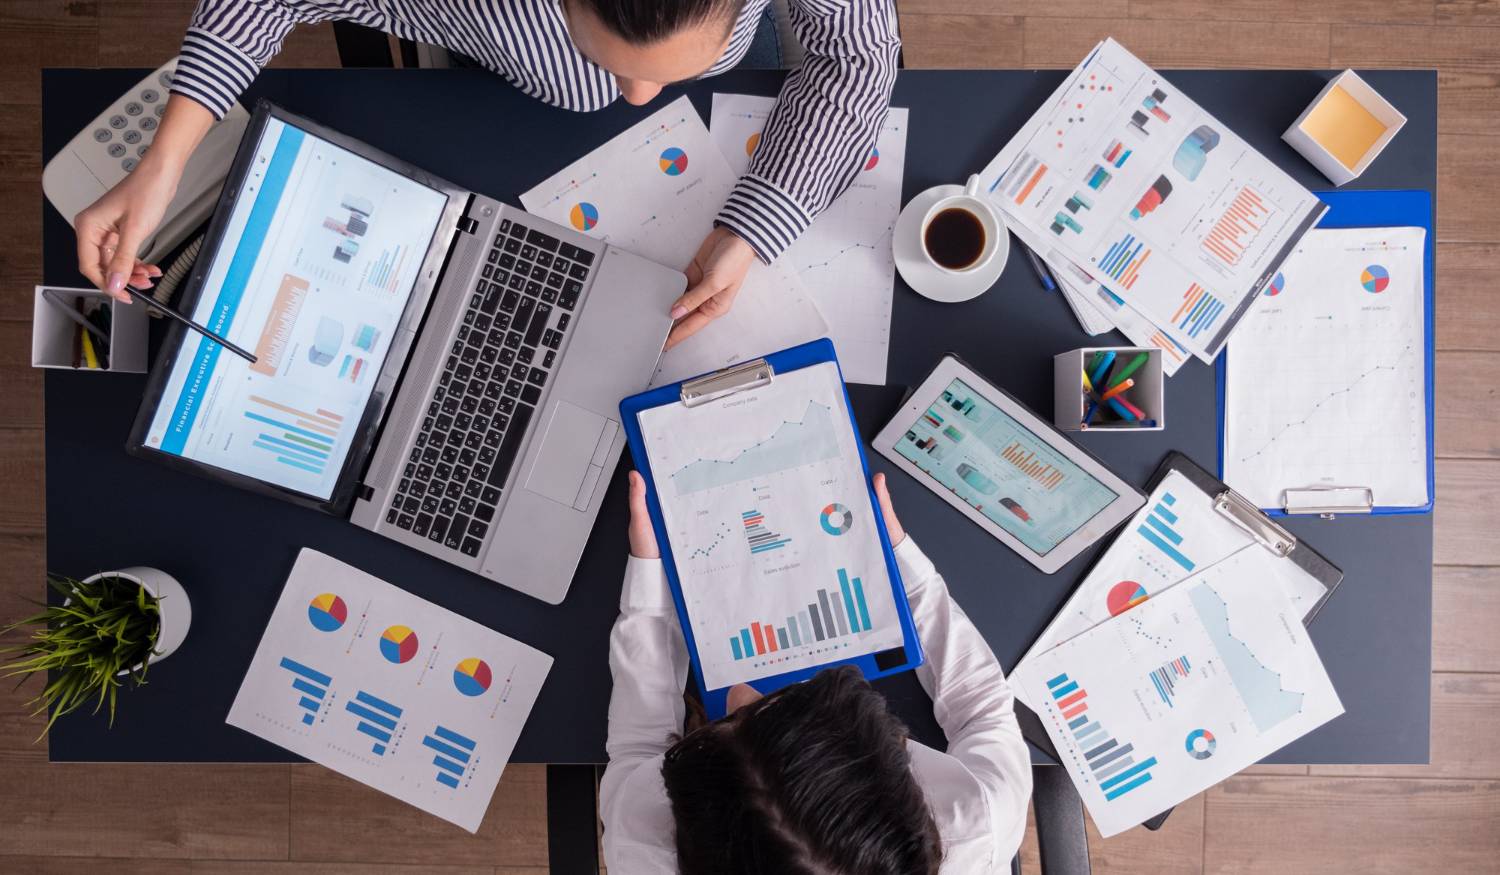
(834, 615)
(1113, 764)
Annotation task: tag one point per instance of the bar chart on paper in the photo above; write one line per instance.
(831, 616)
(1112, 765)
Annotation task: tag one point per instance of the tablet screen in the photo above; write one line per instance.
(772, 530)
(1002, 469)
(320, 252)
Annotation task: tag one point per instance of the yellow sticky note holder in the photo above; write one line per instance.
(1343, 130)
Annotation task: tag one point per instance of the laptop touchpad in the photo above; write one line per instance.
(568, 444)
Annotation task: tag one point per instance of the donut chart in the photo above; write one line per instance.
(398, 644)
(836, 519)
(673, 161)
(327, 612)
(1375, 278)
(1201, 744)
(472, 676)
(584, 216)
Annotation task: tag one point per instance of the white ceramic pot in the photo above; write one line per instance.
(176, 612)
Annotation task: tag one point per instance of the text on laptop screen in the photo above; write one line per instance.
(320, 254)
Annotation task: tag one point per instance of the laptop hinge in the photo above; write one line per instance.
(467, 225)
(365, 493)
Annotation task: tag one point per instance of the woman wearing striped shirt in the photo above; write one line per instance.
(576, 54)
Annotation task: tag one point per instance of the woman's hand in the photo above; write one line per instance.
(110, 232)
(892, 525)
(714, 279)
(642, 536)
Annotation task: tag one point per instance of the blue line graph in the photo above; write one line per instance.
(811, 439)
(1259, 686)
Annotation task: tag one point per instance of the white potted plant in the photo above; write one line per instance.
(108, 630)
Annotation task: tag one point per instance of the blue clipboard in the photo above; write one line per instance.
(757, 374)
(1374, 209)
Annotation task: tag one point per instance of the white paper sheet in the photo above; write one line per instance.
(1176, 534)
(1179, 693)
(1085, 178)
(772, 529)
(389, 689)
(844, 259)
(655, 190)
(1327, 376)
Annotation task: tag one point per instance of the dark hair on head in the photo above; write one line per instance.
(647, 21)
(812, 780)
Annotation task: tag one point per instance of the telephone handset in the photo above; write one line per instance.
(105, 151)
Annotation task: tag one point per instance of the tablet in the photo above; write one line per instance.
(1004, 467)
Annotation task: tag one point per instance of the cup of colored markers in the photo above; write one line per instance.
(1109, 388)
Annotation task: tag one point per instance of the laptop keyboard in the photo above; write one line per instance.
(503, 355)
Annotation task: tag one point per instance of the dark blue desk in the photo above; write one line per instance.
(232, 550)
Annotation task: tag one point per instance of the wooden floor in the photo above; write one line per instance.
(1440, 817)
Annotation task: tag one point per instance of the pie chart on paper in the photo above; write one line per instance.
(1375, 278)
(873, 159)
(472, 677)
(584, 215)
(1123, 596)
(327, 612)
(673, 161)
(398, 644)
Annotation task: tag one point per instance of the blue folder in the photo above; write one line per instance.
(873, 665)
(1374, 209)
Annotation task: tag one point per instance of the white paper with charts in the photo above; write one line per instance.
(772, 531)
(1176, 534)
(1179, 693)
(1121, 173)
(389, 689)
(1326, 381)
(655, 190)
(845, 259)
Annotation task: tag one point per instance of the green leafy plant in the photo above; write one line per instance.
(107, 626)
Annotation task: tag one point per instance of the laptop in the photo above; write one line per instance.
(431, 364)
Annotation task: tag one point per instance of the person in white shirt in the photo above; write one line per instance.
(818, 777)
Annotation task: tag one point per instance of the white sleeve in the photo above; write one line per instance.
(648, 660)
(971, 699)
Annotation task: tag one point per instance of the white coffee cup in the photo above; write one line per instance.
(995, 238)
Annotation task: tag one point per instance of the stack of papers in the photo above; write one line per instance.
(1179, 660)
(1155, 218)
(655, 190)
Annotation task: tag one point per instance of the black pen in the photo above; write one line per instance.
(1041, 269)
(152, 302)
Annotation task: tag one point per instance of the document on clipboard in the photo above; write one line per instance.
(777, 558)
(1191, 522)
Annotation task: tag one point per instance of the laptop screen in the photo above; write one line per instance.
(321, 251)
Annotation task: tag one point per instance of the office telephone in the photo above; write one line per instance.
(111, 146)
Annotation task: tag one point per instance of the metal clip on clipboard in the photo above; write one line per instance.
(1327, 501)
(731, 381)
(1247, 516)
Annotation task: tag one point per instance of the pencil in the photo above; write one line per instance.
(1116, 389)
(1131, 368)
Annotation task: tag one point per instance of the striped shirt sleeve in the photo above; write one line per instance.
(824, 124)
(227, 43)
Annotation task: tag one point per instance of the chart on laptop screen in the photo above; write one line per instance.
(772, 530)
(318, 259)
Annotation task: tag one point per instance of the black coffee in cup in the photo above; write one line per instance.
(955, 238)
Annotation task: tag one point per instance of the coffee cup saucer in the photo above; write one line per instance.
(922, 275)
